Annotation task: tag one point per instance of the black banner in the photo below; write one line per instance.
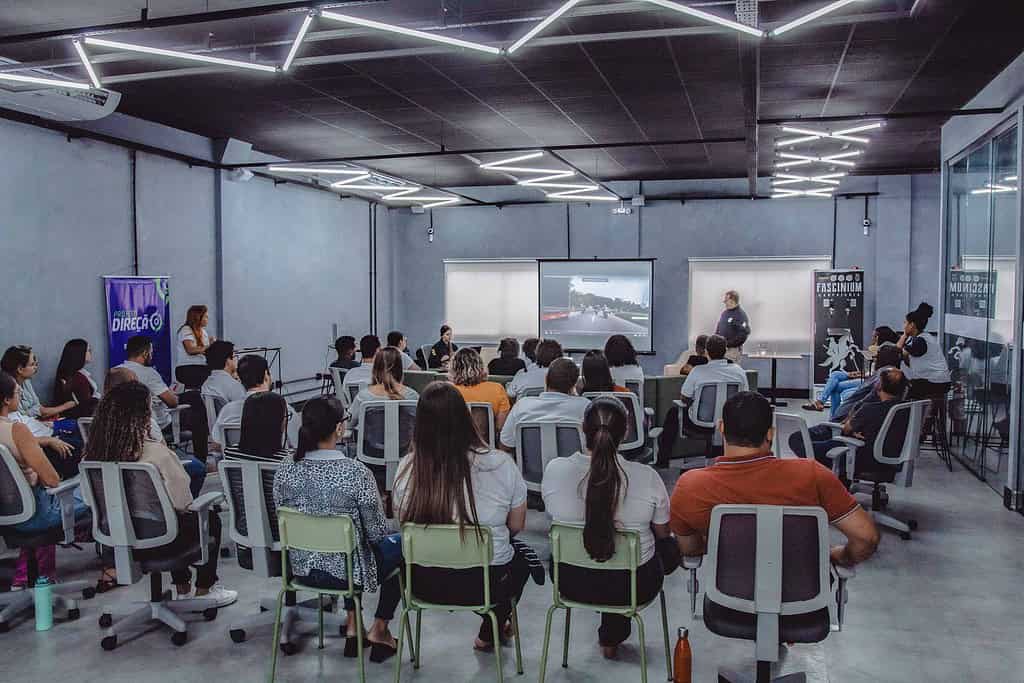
(838, 322)
(971, 293)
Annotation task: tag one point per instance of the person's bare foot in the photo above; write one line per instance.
(610, 651)
(482, 646)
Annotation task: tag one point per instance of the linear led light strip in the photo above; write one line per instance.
(129, 47)
(298, 40)
(790, 179)
(407, 194)
(991, 188)
(808, 135)
(93, 78)
(36, 80)
(713, 18)
(803, 159)
(551, 18)
(307, 170)
(786, 193)
(578, 195)
(811, 16)
(423, 35)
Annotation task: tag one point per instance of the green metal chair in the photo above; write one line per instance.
(335, 534)
(445, 546)
(567, 548)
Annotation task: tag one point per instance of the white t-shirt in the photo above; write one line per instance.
(644, 502)
(526, 379)
(407, 361)
(232, 414)
(712, 372)
(366, 396)
(630, 372)
(550, 406)
(39, 429)
(155, 383)
(184, 357)
(498, 487)
(359, 375)
(223, 387)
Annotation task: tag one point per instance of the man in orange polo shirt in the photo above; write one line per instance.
(749, 474)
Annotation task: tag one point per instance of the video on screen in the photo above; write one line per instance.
(585, 302)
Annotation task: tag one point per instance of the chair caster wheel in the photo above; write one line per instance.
(179, 638)
(74, 614)
(106, 621)
(210, 613)
(237, 635)
(109, 643)
(289, 648)
(905, 535)
(912, 523)
(88, 593)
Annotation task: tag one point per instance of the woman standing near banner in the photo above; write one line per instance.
(193, 340)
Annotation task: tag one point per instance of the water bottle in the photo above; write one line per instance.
(682, 669)
(42, 596)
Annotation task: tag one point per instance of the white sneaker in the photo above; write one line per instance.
(222, 597)
(176, 595)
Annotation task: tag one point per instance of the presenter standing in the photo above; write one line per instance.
(734, 326)
(193, 340)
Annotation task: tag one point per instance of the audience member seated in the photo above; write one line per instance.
(748, 474)
(40, 475)
(385, 384)
(222, 385)
(882, 336)
(533, 378)
(605, 492)
(120, 433)
(139, 354)
(887, 357)
(254, 374)
(265, 417)
(442, 350)
(20, 362)
(622, 358)
(398, 340)
(368, 347)
(530, 352)
(73, 382)
(452, 477)
(120, 375)
(193, 340)
(925, 360)
(469, 377)
(717, 369)
(346, 348)
(864, 423)
(323, 482)
(842, 384)
(557, 402)
(596, 375)
(508, 361)
(698, 355)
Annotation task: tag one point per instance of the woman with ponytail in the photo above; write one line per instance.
(604, 492)
(385, 384)
(323, 482)
(926, 366)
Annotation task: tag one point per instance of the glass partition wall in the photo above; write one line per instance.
(982, 215)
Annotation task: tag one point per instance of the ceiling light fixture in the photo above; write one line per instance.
(423, 35)
(1009, 179)
(353, 179)
(553, 17)
(577, 194)
(86, 63)
(812, 135)
(51, 82)
(706, 16)
(837, 159)
(298, 40)
(788, 179)
(543, 179)
(786, 193)
(811, 16)
(525, 157)
(314, 170)
(374, 187)
(860, 129)
(129, 47)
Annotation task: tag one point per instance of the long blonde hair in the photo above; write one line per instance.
(388, 372)
(467, 368)
(194, 320)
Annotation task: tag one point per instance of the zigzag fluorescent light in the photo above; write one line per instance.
(811, 16)
(206, 59)
(577, 195)
(549, 177)
(786, 193)
(423, 35)
(808, 135)
(408, 194)
(551, 18)
(36, 80)
(307, 170)
(713, 18)
(93, 78)
(803, 159)
(790, 179)
(298, 40)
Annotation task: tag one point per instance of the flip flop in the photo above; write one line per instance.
(812, 406)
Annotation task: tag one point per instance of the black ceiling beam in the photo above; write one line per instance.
(144, 22)
(750, 80)
(494, 150)
(929, 114)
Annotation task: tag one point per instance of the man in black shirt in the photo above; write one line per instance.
(346, 348)
(734, 326)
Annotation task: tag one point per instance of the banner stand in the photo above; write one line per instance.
(139, 305)
(837, 324)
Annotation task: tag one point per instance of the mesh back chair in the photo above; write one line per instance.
(639, 443)
(446, 546)
(338, 380)
(890, 461)
(17, 505)
(785, 425)
(385, 435)
(253, 526)
(635, 386)
(84, 425)
(768, 581)
(483, 418)
(349, 391)
(232, 434)
(531, 391)
(425, 352)
(213, 407)
(567, 548)
(131, 511)
(709, 398)
(539, 442)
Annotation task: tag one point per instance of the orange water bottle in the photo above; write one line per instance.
(682, 667)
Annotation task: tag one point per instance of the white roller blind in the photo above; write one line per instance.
(775, 293)
(487, 300)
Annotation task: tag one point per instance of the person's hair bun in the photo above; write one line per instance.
(926, 309)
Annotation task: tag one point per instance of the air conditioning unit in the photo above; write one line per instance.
(58, 104)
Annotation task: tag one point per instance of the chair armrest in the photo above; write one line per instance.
(649, 412)
(692, 562)
(64, 492)
(65, 486)
(205, 501)
(844, 573)
(655, 432)
(679, 404)
(834, 426)
(200, 506)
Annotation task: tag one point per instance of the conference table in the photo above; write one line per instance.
(775, 358)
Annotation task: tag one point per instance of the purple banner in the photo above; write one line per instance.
(139, 305)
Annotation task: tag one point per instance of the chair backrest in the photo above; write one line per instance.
(448, 547)
(349, 391)
(634, 437)
(787, 424)
(483, 417)
(249, 490)
(707, 408)
(768, 560)
(385, 434)
(425, 350)
(538, 442)
(232, 433)
(332, 534)
(17, 501)
(531, 391)
(84, 425)
(567, 548)
(213, 406)
(338, 377)
(636, 386)
(898, 442)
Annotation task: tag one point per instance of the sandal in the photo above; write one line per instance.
(816, 407)
(107, 581)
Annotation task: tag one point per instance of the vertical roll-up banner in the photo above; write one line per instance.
(837, 322)
(139, 305)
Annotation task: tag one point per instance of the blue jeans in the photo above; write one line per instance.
(196, 470)
(388, 553)
(47, 513)
(839, 383)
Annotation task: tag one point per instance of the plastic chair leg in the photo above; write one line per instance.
(320, 616)
(403, 628)
(497, 644)
(416, 652)
(664, 630)
(643, 647)
(359, 637)
(565, 638)
(277, 635)
(515, 636)
(547, 642)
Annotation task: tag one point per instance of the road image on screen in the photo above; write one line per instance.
(585, 302)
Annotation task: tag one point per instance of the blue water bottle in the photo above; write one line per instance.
(42, 596)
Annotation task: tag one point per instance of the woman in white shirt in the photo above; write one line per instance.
(193, 340)
(605, 492)
(452, 477)
(622, 358)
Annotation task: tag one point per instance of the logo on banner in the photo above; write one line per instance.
(837, 351)
(133, 321)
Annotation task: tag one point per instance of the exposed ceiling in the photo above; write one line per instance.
(604, 73)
